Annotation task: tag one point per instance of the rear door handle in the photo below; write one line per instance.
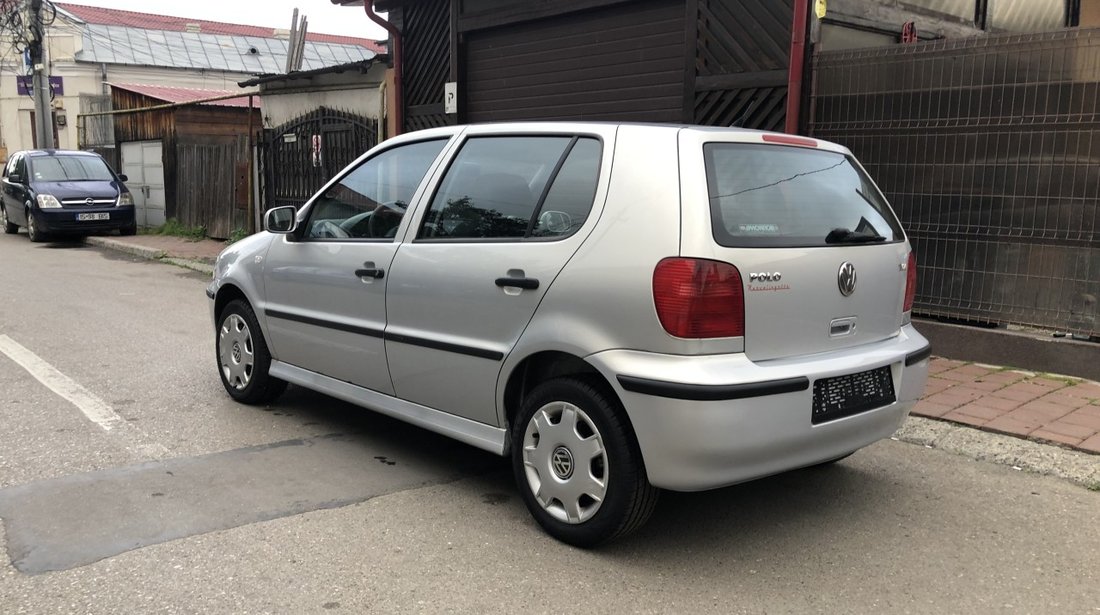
(524, 283)
(370, 273)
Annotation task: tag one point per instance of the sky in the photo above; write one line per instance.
(324, 17)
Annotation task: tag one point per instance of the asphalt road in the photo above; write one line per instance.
(168, 497)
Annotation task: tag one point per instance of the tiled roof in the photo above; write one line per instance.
(171, 94)
(148, 21)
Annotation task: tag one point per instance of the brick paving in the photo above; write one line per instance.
(1064, 411)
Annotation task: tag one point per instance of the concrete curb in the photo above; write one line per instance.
(150, 254)
(1026, 455)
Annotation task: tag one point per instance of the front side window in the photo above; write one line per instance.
(69, 168)
(370, 201)
(775, 196)
(514, 188)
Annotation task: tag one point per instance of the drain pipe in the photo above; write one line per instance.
(797, 64)
(398, 90)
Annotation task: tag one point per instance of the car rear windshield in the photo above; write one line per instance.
(775, 196)
(69, 168)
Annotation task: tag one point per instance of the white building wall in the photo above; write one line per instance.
(16, 131)
(279, 107)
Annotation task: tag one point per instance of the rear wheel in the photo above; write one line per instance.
(9, 227)
(577, 464)
(243, 357)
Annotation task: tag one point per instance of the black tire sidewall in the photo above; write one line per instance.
(624, 463)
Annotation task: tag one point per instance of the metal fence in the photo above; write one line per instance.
(989, 150)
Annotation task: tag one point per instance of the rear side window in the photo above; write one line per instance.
(515, 188)
(69, 168)
(775, 196)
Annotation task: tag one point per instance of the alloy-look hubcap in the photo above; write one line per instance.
(235, 352)
(565, 462)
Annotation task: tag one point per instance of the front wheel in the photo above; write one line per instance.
(577, 464)
(243, 357)
(35, 235)
(128, 231)
(9, 227)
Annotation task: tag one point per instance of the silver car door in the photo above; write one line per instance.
(508, 213)
(326, 284)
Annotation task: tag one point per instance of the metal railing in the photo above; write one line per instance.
(989, 150)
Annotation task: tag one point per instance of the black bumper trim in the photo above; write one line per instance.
(918, 356)
(712, 392)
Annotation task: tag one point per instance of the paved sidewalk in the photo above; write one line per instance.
(1048, 409)
(1051, 409)
(198, 255)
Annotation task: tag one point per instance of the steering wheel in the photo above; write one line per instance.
(328, 229)
(385, 219)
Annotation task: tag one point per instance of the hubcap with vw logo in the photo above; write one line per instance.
(565, 462)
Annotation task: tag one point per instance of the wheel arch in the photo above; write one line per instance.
(547, 365)
(227, 293)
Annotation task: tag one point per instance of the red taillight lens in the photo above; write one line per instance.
(699, 298)
(910, 282)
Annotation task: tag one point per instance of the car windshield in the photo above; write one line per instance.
(69, 168)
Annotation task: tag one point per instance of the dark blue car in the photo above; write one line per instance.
(66, 193)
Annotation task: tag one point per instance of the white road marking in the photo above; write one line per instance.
(93, 407)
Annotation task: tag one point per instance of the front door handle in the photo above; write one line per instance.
(524, 283)
(370, 273)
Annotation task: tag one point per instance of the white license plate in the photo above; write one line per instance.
(96, 216)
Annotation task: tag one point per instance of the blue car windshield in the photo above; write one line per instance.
(69, 168)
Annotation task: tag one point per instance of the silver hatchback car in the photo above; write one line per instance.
(619, 308)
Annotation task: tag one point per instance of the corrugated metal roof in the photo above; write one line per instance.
(170, 94)
(233, 53)
(149, 21)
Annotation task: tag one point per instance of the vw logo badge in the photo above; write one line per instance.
(562, 460)
(846, 279)
(89, 201)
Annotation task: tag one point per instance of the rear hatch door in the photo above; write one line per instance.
(821, 255)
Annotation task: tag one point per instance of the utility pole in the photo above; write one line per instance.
(40, 65)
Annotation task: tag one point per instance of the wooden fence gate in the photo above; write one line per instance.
(298, 157)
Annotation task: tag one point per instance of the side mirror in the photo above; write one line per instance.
(281, 220)
(14, 178)
(122, 177)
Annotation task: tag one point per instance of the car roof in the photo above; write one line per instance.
(727, 133)
(58, 152)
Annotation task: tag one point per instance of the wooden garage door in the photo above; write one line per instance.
(619, 63)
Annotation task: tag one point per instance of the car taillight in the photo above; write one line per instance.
(698, 298)
(910, 282)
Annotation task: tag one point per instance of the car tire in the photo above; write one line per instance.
(577, 464)
(128, 231)
(35, 235)
(243, 357)
(10, 227)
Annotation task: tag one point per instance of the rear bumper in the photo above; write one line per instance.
(704, 422)
(64, 220)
